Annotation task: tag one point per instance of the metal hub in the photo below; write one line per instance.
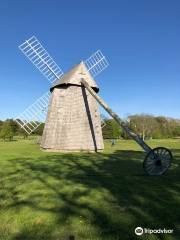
(157, 161)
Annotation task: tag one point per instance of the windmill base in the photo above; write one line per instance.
(70, 151)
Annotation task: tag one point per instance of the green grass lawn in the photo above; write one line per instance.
(101, 196)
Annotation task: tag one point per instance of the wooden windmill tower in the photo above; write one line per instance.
(73, 120)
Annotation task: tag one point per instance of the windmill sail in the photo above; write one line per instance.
(34, 115)
(37, 54)
(96, 63)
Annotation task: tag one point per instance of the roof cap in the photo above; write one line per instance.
(74, 76)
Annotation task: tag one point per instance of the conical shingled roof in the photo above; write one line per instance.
(74, 76)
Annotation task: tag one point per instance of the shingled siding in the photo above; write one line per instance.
(73, 122)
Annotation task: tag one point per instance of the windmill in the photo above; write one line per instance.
(73, 120)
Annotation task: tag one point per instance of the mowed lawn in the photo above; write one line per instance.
(101, 196)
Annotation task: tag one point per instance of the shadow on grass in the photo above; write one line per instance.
(107, 193)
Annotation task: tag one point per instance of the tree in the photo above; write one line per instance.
(177, 131)
(111, 130)
(14, 125)
(1, 123)
(22, 132)
(143, 125)
(39, 129)
(7, 131)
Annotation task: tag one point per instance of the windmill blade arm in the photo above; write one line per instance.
(34, 115)
(96, 63)
(103, 123)
(38, 55)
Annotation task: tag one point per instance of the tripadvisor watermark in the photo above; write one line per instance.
(140, 231)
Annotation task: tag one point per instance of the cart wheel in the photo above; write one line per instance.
(157, 161)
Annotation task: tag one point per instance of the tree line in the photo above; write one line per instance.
(147, 126)
(10, 128)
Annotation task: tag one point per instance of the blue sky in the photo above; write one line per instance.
(141, 40)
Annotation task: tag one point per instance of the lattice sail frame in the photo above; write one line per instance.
(37, 54)
(35, 114)
(96, 63)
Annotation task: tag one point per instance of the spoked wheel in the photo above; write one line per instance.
(157, 161)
